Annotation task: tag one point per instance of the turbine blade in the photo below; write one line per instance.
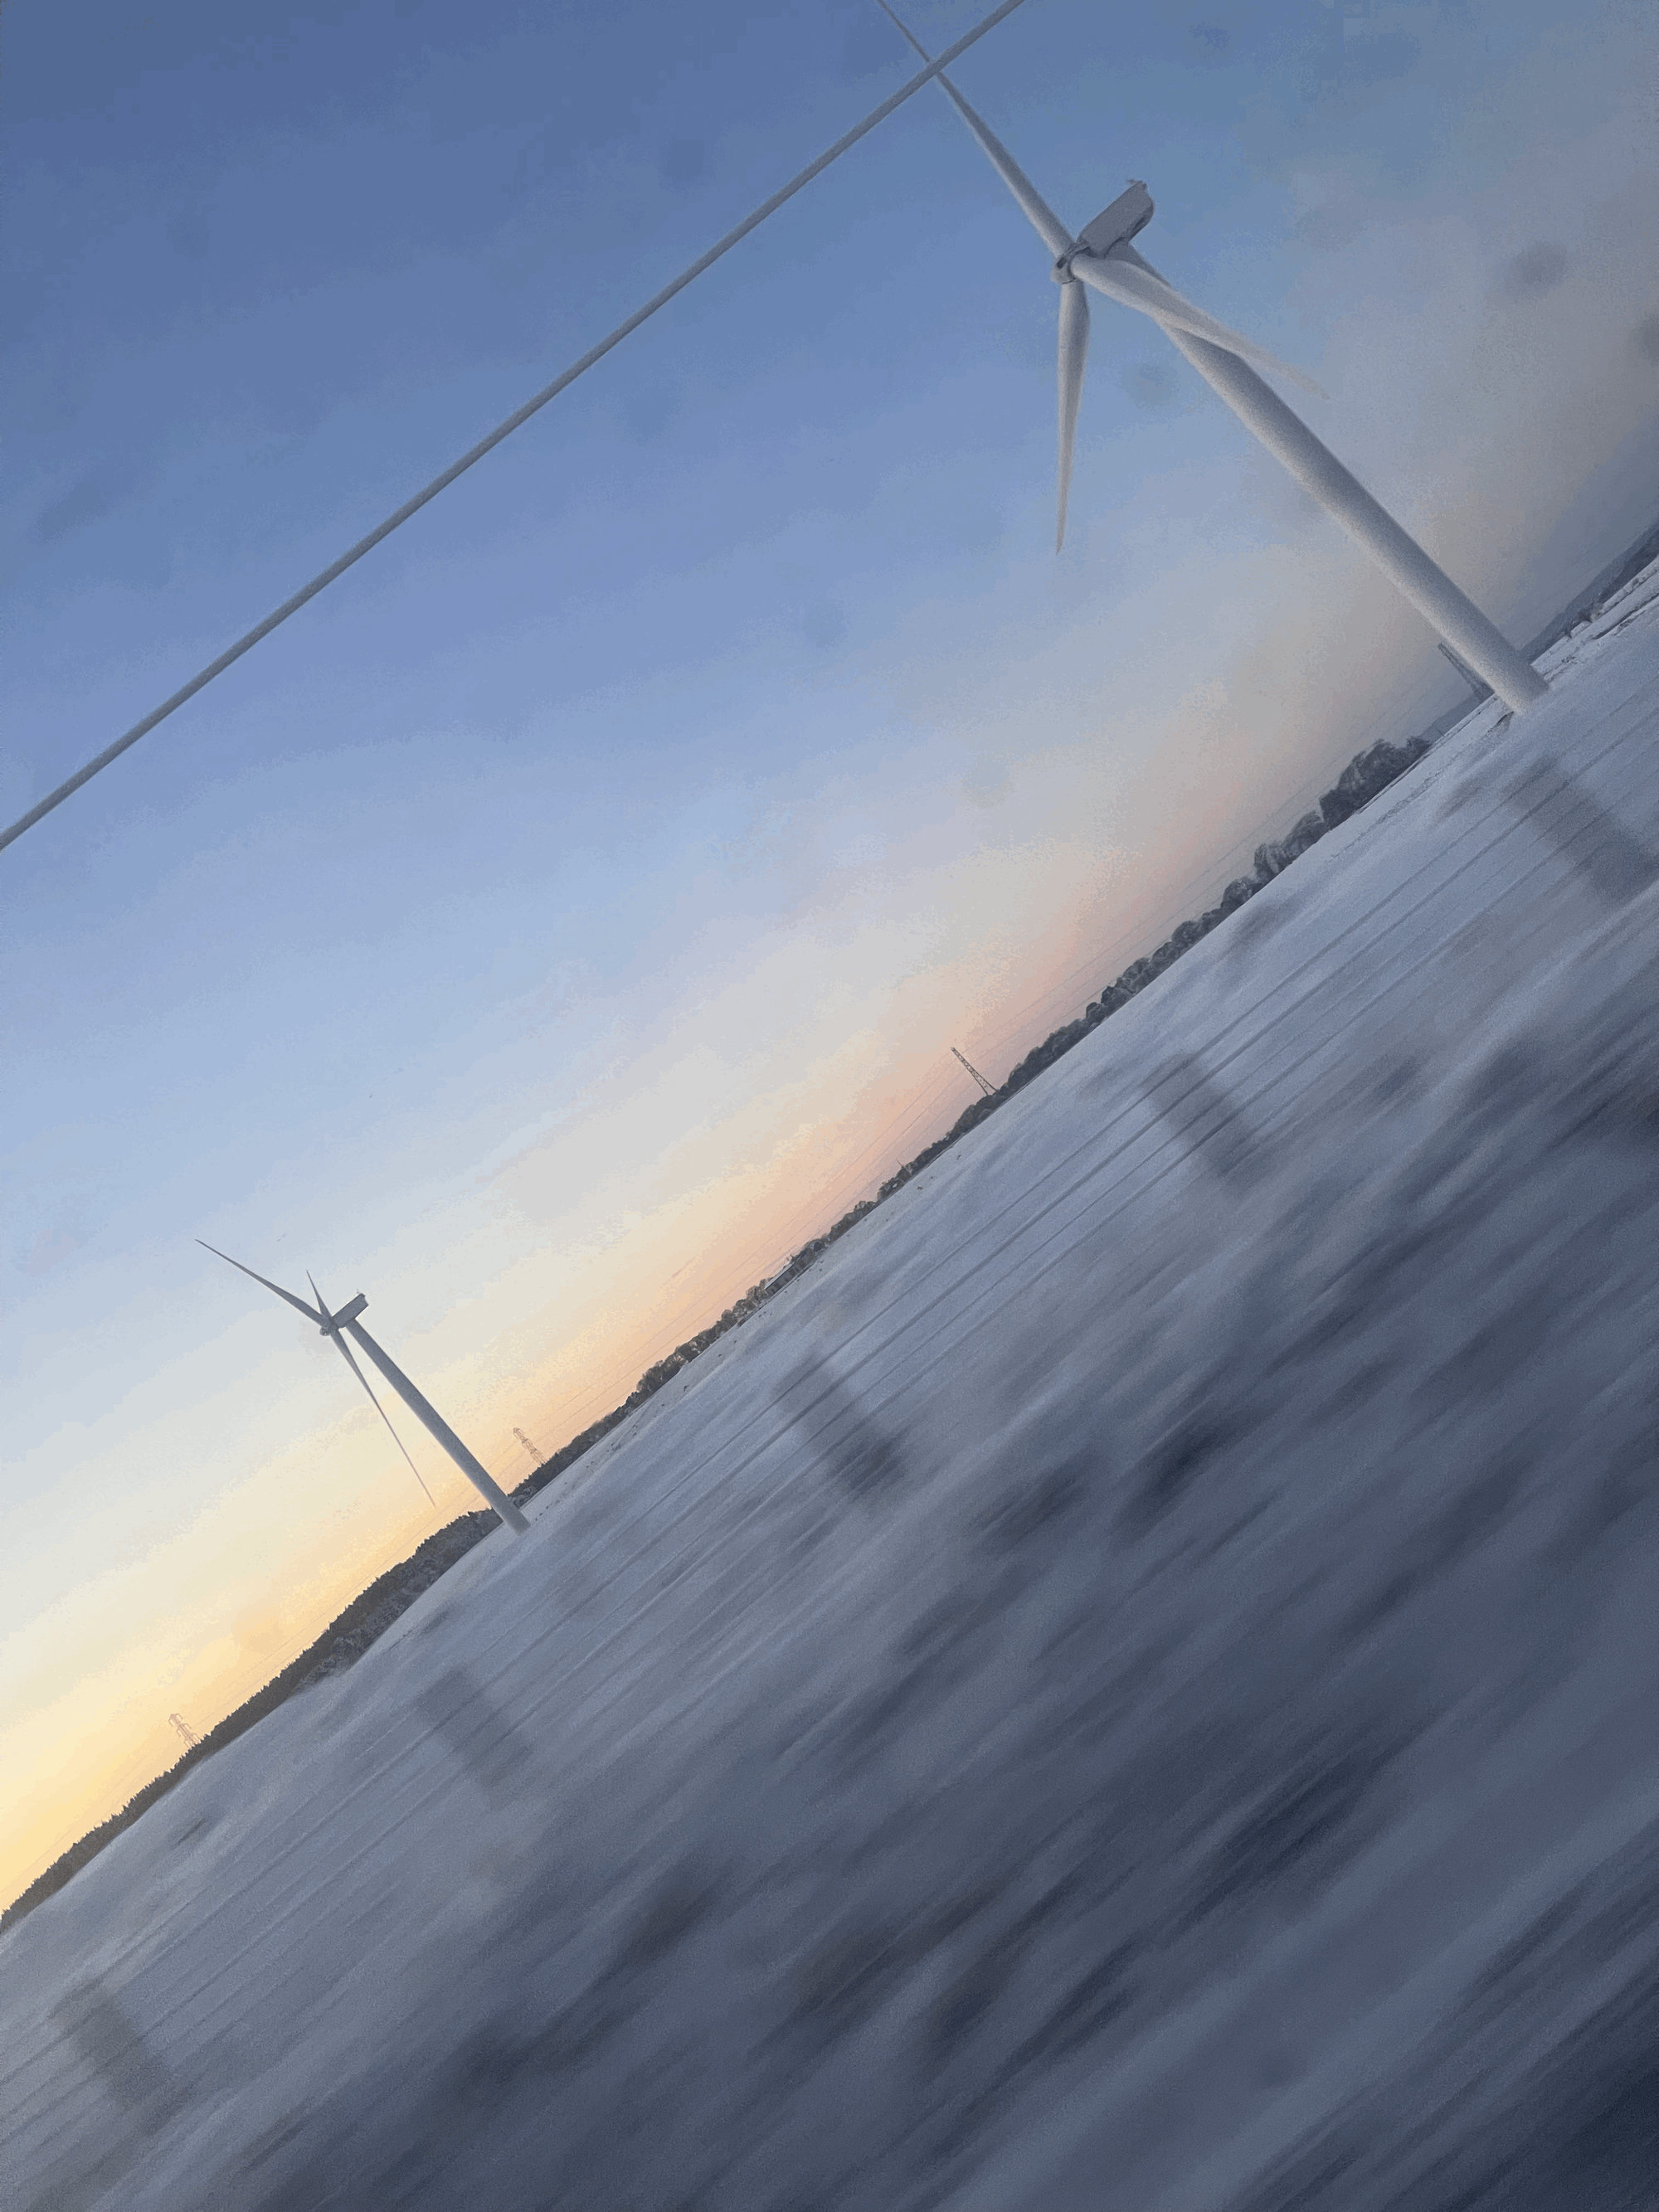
(345, 1353)
(1122, 281)
(300, 1304)
(1038, 213)
(1074, 358)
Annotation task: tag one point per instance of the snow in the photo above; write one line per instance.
(1129, 1685)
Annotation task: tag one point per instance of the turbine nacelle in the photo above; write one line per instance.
(1126, 217)
(333, 1322)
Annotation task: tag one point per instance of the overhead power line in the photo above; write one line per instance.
(505, 429)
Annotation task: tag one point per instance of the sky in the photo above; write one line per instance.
(572, 910)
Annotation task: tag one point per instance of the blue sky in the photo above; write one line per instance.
(571, 910)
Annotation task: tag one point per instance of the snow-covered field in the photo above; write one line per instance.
(1135, 1685)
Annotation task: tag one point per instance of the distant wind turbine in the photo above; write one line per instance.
(1102, 258)
(345, 1323)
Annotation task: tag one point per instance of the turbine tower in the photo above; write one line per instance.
(345, 1323)
(1102, 258)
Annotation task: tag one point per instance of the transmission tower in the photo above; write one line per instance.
(185, 1729)
(988, 1088)
(535, 1456)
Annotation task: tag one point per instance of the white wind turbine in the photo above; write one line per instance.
(345, 1323)
(1102, 258)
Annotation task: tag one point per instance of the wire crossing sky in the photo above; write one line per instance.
(520, 415)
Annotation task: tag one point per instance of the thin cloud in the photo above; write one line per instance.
(1535, 269)
(83, 503)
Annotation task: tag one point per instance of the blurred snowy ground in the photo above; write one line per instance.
(1133, 1686)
